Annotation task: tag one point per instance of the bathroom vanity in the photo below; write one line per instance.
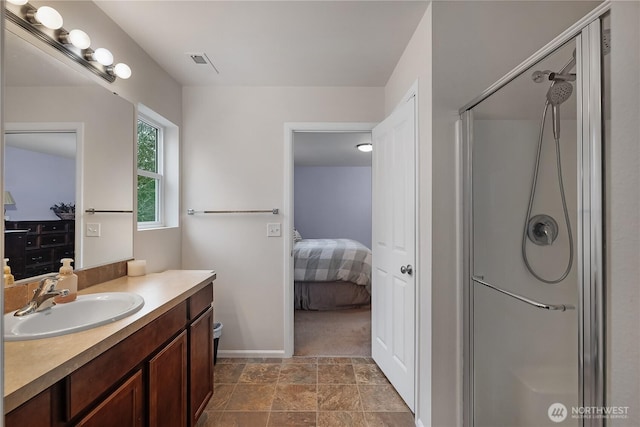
(152, 368)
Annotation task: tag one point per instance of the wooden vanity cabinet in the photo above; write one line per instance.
(124, 407)
(168, 385)
(37, 412)
(201, 360)
(162, 375)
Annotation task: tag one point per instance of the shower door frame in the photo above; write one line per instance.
(590, 262)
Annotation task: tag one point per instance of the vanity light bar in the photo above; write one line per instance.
(73, 44)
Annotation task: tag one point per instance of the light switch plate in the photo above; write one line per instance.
(93, 230)
(273, 229)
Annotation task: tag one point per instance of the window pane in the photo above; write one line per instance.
(147, 199)
(147, 147)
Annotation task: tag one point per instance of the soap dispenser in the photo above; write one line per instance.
(8, 277)
(67, 279)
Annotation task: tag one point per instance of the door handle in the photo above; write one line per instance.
(406, 269)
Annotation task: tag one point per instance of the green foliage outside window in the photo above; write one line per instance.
(147, 161)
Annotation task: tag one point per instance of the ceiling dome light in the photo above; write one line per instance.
(18, 2)
(79, 39)
(103, 56)
(365, 148)
(49, 17)
(122, 70)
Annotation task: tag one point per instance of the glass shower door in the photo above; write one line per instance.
(524, 270)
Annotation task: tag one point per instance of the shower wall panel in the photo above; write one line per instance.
(524, 355)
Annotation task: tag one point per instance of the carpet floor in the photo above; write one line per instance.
(333, 333)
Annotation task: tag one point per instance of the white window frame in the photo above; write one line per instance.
(159, 176)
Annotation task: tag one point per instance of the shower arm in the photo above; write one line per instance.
(551, 307)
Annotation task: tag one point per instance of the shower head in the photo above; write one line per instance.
(558, 92)
(539, 76)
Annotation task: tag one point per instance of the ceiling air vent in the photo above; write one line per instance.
(202, 59)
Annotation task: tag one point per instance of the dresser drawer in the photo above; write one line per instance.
(31, 241)
(50, 240)
(53, 228)
(38, 257)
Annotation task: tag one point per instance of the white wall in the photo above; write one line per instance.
(234, 146)
(622, 180)
(333, 202)
(27, 175)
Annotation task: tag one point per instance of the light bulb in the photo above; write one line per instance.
(49, 17)
(103, 56)
(122, 70)
(79, 39)
(365, 148)
(18, 2)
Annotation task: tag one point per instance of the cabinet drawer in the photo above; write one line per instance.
(53, 228)
(31, 241)
(64, 252)
(50, 240)
(86, 384)
(38, 257)
(37, 270)
(200, 301)
(14, 244)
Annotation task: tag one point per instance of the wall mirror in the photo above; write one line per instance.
(68, 141)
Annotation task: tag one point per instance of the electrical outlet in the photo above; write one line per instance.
(273, 229)
(93, 230)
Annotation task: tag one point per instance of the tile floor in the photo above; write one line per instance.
(303, 391)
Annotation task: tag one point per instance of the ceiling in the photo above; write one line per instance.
(272, 43)
(53, 143)
(330, 149)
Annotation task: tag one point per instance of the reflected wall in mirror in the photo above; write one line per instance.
(35, 238)
(47, 101)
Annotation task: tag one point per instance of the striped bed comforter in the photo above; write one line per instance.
(328, 260)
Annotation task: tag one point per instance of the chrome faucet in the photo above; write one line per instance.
(43, 296)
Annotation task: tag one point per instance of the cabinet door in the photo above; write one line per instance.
(168, 385)
(201, 364)
(123, 408)
(34, 413)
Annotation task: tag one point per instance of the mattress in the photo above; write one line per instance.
(334, 295)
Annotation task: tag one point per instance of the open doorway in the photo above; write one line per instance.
(332, 243)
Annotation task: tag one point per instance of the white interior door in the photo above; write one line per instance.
(394, 241)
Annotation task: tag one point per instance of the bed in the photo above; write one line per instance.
(331, 274)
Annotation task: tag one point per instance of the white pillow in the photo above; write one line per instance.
(296, 235)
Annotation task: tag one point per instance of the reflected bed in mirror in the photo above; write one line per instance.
(68, 140)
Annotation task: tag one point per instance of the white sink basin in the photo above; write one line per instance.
(86, 312)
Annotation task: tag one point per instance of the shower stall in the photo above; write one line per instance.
(532, 148)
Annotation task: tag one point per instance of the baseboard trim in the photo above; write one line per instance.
(251, 353)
